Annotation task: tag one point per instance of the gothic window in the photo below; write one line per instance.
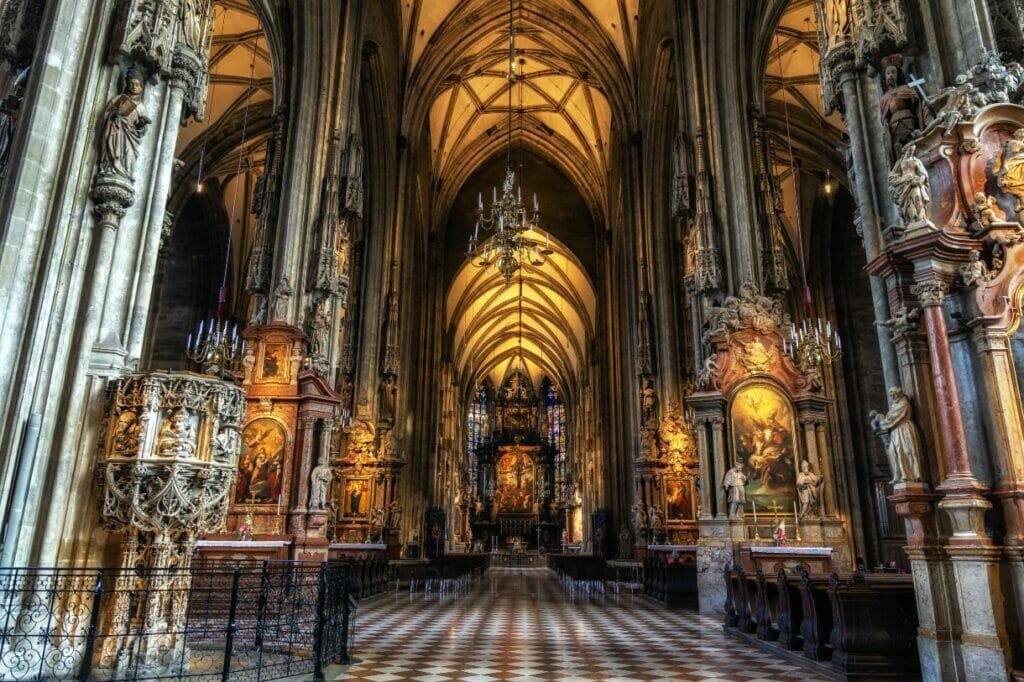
(556, 421)
(476, 422)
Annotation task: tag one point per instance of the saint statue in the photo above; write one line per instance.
(808, 487)
(124, 125)
(908, 184)
(903, 442)
(225, 444)
(648, 403)
(320, 482)
(902, 110)
(248, 363)
(10, 111)
(388, 393)
(195, 19)
(735, 485)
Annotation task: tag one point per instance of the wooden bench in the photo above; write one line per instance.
(874, 632)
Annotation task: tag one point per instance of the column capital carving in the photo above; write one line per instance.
(930, 293)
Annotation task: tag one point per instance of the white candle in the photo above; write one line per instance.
(753, 505)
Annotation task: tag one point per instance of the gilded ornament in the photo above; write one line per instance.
(1008, 168)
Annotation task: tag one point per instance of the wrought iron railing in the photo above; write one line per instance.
(246, 621)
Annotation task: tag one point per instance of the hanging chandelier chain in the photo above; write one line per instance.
(515, 242)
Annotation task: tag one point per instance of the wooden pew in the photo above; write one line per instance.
(732, 617)
(789, 612)
(874, 632)
(816, 625)
(765, 607)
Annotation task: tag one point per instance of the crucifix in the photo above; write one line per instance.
(916, 83)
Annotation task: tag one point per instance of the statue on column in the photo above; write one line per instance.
(808, 488)
(320, 482)
(735, 485)
(648, 404)
(388, 395)
(908, 184)
(902, 109)
(124, 126)
(903, 441)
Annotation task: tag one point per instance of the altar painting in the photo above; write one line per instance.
(678, 499)
(357, 498)
(275, 361)
(764, 442)
(515, 482)
(261, 466)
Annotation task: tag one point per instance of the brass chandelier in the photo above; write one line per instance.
(516, 234)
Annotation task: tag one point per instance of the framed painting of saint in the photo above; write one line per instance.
(678, 499)
(764, 441)
(261, 466)
(357, 498)
(275, 362)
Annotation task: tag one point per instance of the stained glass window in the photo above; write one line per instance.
(476, 421)
(556, 420)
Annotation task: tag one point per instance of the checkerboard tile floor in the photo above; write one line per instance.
(518, 625)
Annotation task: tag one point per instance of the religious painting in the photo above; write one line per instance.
(515, 482)
(261, 467)
(275, 361)
(678, 499)
(764, 443)
(357, 498)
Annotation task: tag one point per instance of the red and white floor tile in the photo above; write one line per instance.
(519, 625)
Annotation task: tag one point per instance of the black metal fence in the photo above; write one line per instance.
(250, 621)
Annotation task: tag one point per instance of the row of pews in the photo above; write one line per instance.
(369, 575)
(672, 580)
(864, 625)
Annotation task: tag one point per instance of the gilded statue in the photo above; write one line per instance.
(756, 356)
(177, 436)
(902, 439)
(735, 485)
(908, 184)
(902, 110)
(1008, 168)
(124, 125)
(127, 433)
(360, 442)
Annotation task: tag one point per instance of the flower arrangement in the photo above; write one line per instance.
(246, 528)
(779, 535)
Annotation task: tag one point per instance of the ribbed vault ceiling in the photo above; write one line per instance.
(567, 51)
(488, 323)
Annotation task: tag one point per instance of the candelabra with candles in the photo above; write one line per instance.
(516, 239)
(215, 347)
(813, 342)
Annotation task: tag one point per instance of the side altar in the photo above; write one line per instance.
(766, 430)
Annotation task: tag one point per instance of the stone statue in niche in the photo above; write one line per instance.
(124, 126)
(319, 483)
(749, 310)
(735, 485)
(177, 436)
(282, 293)
(808, 488)
(1008, 168)
(986, 211)
(648, 403)
(388, 395)
(902, 110)
(974, 271)
(908, 185)
(901, 436)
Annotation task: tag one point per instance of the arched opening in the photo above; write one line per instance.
(210, 217)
